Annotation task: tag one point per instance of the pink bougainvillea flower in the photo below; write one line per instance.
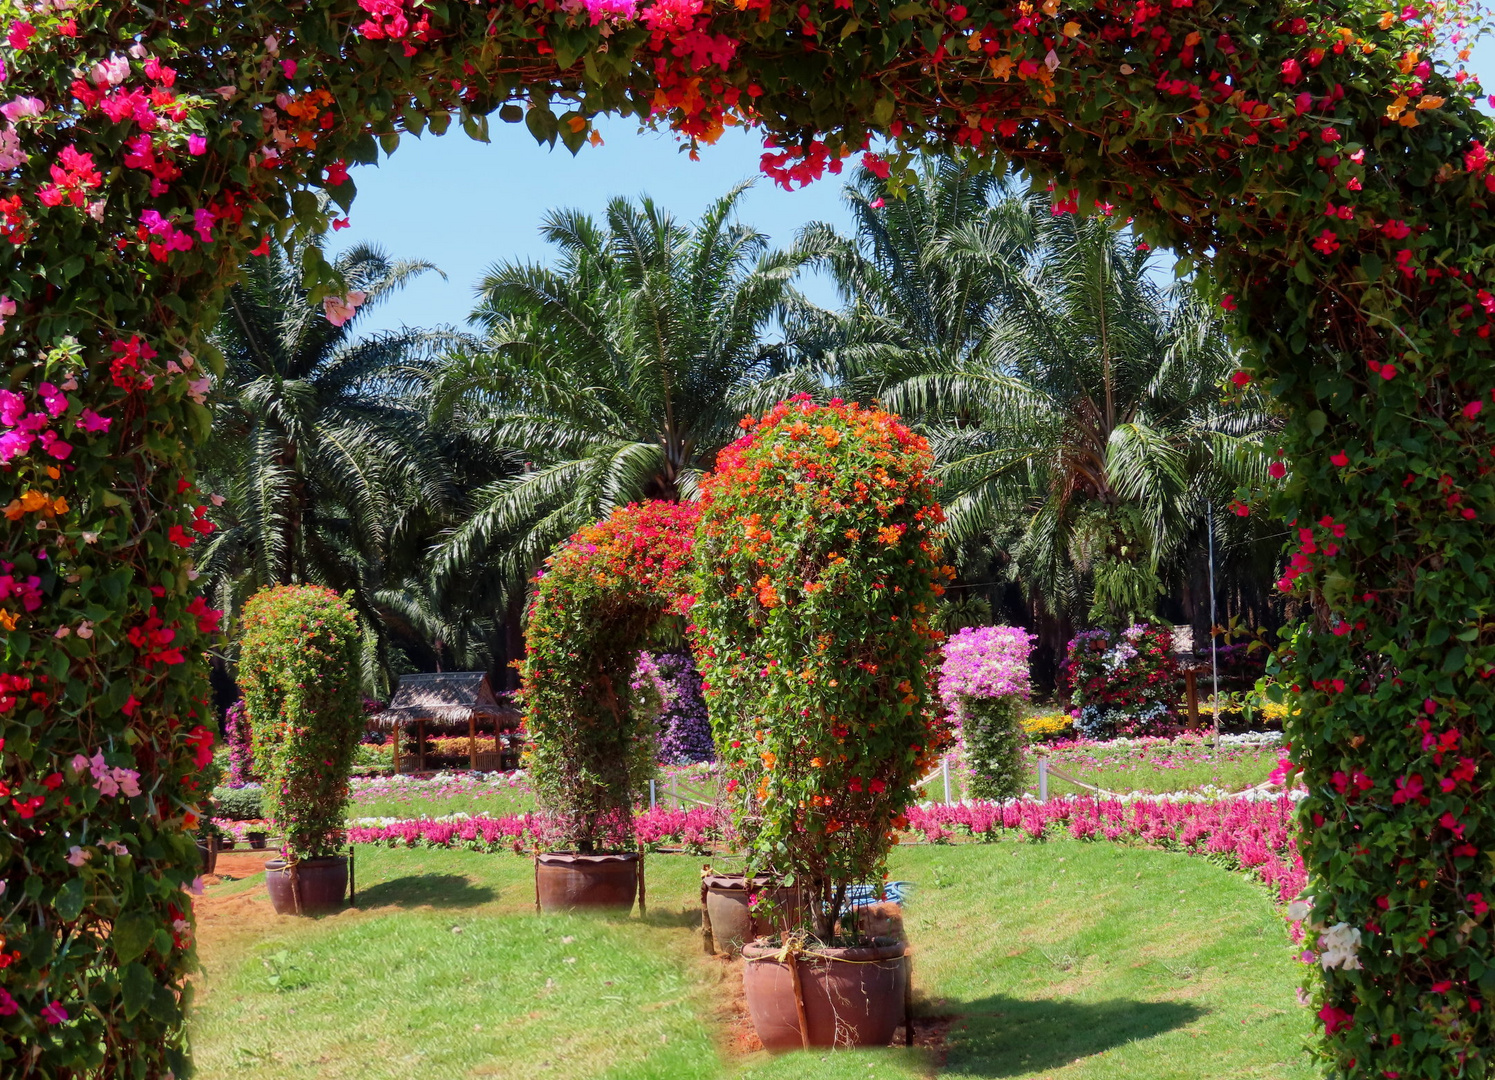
(340, 309)
(77, 856)
(1340, 459)
(22, 107)
(1472, 409)
(20, 34)
(1326, 242)
(8, 1006)
(1277, 470)
(197, 145)
(92, 422)
(1335, 1019)
(1240, 378)
(53, 1013)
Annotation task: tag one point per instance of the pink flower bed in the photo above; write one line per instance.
(1256, 836)
(696, 830)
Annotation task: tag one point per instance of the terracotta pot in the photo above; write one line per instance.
(209, 852)
(852, 997)
(565, 880)
(319, 884)
(732, 923)
(256, 840)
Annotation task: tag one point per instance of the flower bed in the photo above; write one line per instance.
(696, 830)
(1257, 836)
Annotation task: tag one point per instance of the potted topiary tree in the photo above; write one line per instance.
(817, 572)
(590, 752)
(298, 667)
(984, 686)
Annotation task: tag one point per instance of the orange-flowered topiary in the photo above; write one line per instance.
(817, 573)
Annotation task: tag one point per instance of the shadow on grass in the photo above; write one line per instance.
(426, 890)
(1002, 1036)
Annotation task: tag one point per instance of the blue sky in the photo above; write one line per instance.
(465, 205)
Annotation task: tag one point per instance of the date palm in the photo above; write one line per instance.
(319, 440)
(616, 374)
(1074, 404)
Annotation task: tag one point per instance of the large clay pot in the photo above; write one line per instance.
(319, 884)
(565, 880)
(732, 921)
(852, 997)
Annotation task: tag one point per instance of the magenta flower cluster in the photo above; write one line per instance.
(985, 662)
(240, 746)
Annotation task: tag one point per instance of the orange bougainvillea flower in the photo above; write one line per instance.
(769, 759)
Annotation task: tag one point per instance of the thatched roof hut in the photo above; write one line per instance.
(449, 697)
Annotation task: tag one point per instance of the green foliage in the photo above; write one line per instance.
(298, 668)
(992, 729)
(1226, 131)
(817, 572)
(238, 804)
(591, 751)
(617, 374)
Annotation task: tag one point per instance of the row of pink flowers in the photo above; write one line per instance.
(1259, 837)
(1255, 836)
(696, 830)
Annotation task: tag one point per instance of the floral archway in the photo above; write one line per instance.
(1320, 159)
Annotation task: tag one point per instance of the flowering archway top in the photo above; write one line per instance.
(1331, 167)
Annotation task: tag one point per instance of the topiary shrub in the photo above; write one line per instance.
(817, 573)
(240, 745)
(299, 668)
(590, 750)
(671, 686)
(239, 803)
(1122, 683)
(984, 685)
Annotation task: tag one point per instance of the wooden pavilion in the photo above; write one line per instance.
(449, 697)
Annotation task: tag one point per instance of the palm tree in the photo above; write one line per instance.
(615, 375)
(1074, 405)
(319, 441)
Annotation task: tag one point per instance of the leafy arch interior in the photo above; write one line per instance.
(1327, 165)
(591, 612)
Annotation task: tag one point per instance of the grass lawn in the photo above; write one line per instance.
(1158, 769)
(405, 797)
(1062, 960)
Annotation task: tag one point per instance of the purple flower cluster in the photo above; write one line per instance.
(985, 662)
(683, 725)
(240, 749)
(1257, 836)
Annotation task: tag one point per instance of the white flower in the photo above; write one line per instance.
(1300, 909)
(1339, 944)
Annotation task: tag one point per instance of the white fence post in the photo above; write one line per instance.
(945, 769)
(675, 790)
(651, 793)
(1043, 779)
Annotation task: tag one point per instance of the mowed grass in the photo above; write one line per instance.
(1062, 960)
(1157, 769)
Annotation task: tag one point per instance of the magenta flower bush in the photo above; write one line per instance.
(984, 685)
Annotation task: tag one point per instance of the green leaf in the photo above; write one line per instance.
(542, 124)
(132, 934)
(69, 902)
(138, 988)
(1316, 421)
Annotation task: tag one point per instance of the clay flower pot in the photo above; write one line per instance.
(565, 880)
(256, 840)
(208, 849)
(307, 887)
(847, 997)
(730, 918)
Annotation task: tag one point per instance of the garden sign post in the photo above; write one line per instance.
(1324, 161)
